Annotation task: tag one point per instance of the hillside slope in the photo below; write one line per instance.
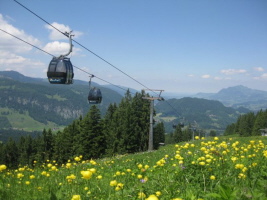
(238, 96)
(209, 114)
(42, 103)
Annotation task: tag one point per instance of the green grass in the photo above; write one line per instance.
(25, 122)
(165, 119)
(56, 97)
(222, 168)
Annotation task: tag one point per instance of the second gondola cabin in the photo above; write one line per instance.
(60, 71)
(94, 96)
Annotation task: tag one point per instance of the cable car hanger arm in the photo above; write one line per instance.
(70, 42)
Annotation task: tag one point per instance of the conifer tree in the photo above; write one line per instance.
(48, 144)
(93, 140)
(63, 146)
(260, 122)
(186, 134)
(141, 113)
(125, 124)
(11, 154)
(25, 150)
(178, 135)
(38, 145)
(1, 152)
(213, 133)
(246, 124)
(159, 135)
(109, 130)
(230, 129)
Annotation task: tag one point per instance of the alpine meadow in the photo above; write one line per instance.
(133, 100)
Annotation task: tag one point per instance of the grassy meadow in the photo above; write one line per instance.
(20, 121)
(204, 169)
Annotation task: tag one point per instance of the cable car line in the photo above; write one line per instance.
(78, 67)
(91, 52)
(27, 42)
(84, 47)
(54, 56)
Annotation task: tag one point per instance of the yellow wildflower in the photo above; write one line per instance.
(76, 197)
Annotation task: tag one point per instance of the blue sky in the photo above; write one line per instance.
(181, 46)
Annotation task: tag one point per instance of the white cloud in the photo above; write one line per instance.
(59, 48)
(217, 78)
(9, 43)
(8, 58)
(205, 76)
(263, 76)
(191, 75)
(56, 35)
(233, 71)
(259, 69)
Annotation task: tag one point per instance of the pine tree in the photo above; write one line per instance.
(141, 108)
(246, 124)
(48, 144)
(260, 122)
(159, 135)
(186, 134)
(93, 140)
(125, 128)
(230, 129)
(25, 150)
(213, 133)
(63, 145)
(109, 130)
(11, 154)
(177, 135)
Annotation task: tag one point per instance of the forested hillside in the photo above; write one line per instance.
(239, 96)
(249, 124)
(123, 129)
(208, 114)
(32, 102)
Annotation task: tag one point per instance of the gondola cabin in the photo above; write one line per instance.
(60, 71)
(94, 96)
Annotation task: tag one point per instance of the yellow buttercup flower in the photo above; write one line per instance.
(76, 197)
(212, 177)
(2, 167)
(86, 174)
(139, 176)
(141, 195)
(113, 183)
(32, 176)
(158, 193)
(152, 197)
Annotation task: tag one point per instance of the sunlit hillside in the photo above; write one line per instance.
(214, 168)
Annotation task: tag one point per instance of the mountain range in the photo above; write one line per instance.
(239, 96)
(33, 104)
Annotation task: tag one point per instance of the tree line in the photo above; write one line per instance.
(248, 124)
(123, 129)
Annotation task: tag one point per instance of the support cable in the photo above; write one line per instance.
(90, 52)
(83, 46)
(55, 56)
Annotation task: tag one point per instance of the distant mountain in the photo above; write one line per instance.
(33, 104)
(121, 89)
(239, 96)
(20, 77)
(209, 114)
(25, 79)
